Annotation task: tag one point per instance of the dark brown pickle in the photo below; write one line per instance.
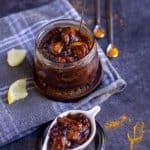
(65, 59)
(69, 132)
(65, 44)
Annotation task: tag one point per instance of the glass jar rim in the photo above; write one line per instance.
(59, 22)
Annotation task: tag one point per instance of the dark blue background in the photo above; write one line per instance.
(132, 36)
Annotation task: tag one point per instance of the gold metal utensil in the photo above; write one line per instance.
(112, 50)
(98, 30)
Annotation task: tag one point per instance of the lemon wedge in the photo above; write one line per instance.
(17, 91)
(16, 56)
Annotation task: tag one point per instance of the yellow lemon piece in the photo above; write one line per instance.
(16, 56)
(17, 91)
(113, 52)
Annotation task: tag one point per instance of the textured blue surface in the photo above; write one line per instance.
(134, 65)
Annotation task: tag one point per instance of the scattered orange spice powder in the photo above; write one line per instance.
(138, 133)
(117, 122)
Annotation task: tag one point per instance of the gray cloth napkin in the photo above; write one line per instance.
(19, 31)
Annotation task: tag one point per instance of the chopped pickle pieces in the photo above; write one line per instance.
(78, 43)
(79, 49)
(69, 132)
(57, 47)
(59, 143)
(65, 44)
(61, 59)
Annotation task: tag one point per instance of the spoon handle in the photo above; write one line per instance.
(94, 111)
(82, 14)
(109, 16)
(98, 12)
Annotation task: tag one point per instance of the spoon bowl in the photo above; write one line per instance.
(90, 114)
(112, 51)
(98, 31)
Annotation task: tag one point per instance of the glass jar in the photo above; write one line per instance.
(65, 81)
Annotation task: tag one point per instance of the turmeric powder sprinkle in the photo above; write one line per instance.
(138, 133)
(116, 123)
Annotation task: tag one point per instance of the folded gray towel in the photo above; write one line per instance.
(19, 31)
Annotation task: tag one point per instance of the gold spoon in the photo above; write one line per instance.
(112, 50)
(98, 30)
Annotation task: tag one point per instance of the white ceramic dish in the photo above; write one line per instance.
(90, 114)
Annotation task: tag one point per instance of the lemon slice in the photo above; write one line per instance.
(17, 91)
(16, 56)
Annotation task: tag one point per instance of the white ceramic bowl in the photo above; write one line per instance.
(89, 114)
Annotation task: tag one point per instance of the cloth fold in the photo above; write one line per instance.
(19, 31)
